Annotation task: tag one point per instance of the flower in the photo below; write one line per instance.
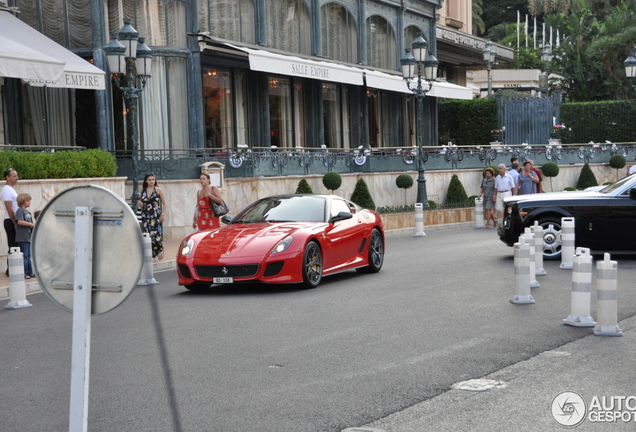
(557, 127)
(496, 131)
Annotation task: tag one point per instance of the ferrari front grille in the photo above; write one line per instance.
(235, 271)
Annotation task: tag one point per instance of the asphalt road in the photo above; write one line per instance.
(279, 358)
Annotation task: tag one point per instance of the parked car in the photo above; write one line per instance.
(604, 220)
(284, 239)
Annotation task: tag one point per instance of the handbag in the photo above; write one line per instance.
(219, 209)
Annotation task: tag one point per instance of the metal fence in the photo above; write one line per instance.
(267, 162)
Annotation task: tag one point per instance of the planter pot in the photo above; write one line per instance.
(431, 217)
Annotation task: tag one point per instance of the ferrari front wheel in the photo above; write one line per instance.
(312, 265)
(376, 253)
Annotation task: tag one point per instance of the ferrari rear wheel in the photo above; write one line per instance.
(376, 253)
(312, 265)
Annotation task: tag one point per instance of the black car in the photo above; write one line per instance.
(605, 220)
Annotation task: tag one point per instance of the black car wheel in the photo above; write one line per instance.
(551, 237)
(376, 253)
(312, 265)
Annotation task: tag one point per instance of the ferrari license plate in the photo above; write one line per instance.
(222, 280)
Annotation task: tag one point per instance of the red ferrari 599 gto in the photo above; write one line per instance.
(284, 239)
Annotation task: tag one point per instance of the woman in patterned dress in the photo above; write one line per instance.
(204, 218)
(153, 210)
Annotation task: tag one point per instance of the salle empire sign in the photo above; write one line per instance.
(310, 71)
(74, 80)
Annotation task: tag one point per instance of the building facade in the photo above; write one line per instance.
(247, 74)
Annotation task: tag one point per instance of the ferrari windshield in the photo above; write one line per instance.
(293, 208)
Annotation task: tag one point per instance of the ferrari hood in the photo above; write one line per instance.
(245, 240)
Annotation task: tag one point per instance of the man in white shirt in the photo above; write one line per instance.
(514, 171)
(10, 198)
(504, 187)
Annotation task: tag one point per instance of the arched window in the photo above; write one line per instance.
(288, 25)
(339, 34)
(410, 33)
(233, 20)
(381, 43)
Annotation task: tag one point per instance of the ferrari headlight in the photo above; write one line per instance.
(282, 245)
(187, 247)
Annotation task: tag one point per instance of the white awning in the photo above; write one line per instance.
(19, 61)
(78, 73)
(385, 81)
(267, 61)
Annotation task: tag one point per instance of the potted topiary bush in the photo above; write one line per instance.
(362, 196)
(332, 180)
(303, 187)
(456, 194)
(404, 181)
(550, 169)
(586, 178)
(617, 161)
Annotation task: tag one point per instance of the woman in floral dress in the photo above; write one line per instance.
(153, 210)
(204, 218)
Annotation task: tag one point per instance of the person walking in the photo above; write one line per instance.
(204, 218)
(24, 227)
(487, 190)
(504, 187)
(10, 198)
(153, 212)
(528, 180)
(631, 169)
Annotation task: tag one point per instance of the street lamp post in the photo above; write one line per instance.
(427, 68)
(630, 67)
(546, 56)
(489, 58)
(132, 58)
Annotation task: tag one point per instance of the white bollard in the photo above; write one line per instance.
(567, 242)
(607, 298)
(522, 273)
(479, 213)
(419, 220)
(528, 236)
(17, 287)
(538, 249)
(581, 290)
(147, 277)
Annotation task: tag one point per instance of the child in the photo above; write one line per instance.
(24, 226)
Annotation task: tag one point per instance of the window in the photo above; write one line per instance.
(288, 26)
(233, 20)
(381, 45)
(339, 37)
(335, 111)
(280, 112)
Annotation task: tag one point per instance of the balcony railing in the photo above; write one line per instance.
(266, 162)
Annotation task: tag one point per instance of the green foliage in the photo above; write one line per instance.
(332, 180)
(467, 122)
(617, 161)
(61, 164)
(396, 209)
(569, 189)
(303, 187)
(362, 196)
(598, 121)
(456, 193)
(432, 205)
(404, 181)
(586, 178)
(550, 169)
